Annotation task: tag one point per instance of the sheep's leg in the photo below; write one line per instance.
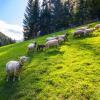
(66, 39)
(7, 76)
(47, 46)
(28, 50)
(14, 75)
(19, 75)
(56, 45)
(44, 49)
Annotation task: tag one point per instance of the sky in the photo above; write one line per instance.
(12, 11)
(11, 18)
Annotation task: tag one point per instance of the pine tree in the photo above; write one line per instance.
(94, 8)
(57, 14)
(27, 20)
(45, 19)
(31, 21)
(80, 12)
(82, 15)
(66, 15)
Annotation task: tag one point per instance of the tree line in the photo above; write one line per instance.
(55, 15)
(4, 40)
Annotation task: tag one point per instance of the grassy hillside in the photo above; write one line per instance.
(69, 72)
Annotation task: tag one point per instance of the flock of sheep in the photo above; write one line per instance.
(50, 41)
(85, 31)
(14, 67)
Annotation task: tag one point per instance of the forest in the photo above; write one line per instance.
(56, 15)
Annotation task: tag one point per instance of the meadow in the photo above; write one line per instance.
(68, 72)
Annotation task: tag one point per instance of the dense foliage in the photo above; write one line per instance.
(4, 40)
(55, 15)
(31, 21)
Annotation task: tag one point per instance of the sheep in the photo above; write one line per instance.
(82, 28)
(32, 47)
(87, 32)
(64, 36)
(53, 42)
(14, 67)
(41, 47)
(60, 39)
(78, 33)
(50, 38)
(97, 26)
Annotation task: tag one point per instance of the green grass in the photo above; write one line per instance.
(69, 72)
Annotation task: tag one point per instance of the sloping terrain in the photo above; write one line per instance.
(69, 72)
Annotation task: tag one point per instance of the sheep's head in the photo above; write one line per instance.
(23, 59)
(35, 43)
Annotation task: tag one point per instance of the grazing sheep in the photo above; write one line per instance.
(32, 47)
(14, 67)
(60, 39)
(97, 26)
(53, 42)
(87, 32)
(64, 36)
(41, 47)
(82, 28)
(50, 38)
(78, 33)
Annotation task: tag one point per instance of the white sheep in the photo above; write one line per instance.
(32, 47)
(88, 32)
(53, 42)
(14, 67)
(50, 38)
(60, 39)
(64, 36)
(78, 33)
(97, 26)
(82, 28)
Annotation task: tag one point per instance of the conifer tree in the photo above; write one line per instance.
(66, 15)
(45, 19)
(83, 13)
(94, 8)
(57, 14)
(31, 20)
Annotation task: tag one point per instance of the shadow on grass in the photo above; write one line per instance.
(32, 55)
(44, 55)
(84, 37)
(54, 52)
(8, 89)
(89, 47)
